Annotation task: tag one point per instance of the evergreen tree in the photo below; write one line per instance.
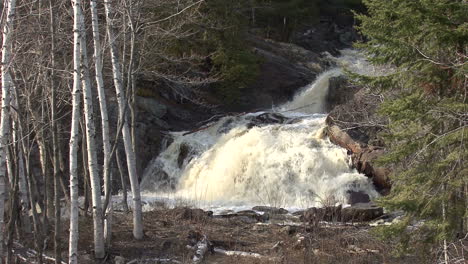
(426, 42)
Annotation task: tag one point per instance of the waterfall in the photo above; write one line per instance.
(280, 157)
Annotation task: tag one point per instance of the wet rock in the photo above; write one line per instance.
(184, 152)
(280, 74)
(283, 218)
(339, 92)
(361, 212)
(270, 210)
(357, 212)
(157, 179)
(266, 119)
(247, 216)
(357, 197)
(254, 215)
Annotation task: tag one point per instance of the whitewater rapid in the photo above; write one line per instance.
(280, 157)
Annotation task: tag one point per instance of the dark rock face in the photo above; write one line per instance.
(284, 69)
(339, 92)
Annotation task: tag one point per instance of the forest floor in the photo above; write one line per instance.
(171, 236)
(169, 233)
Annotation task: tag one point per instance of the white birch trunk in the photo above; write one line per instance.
(99, 251)
(104, 122)
(5, 118)
(122, 102)
(74, 137)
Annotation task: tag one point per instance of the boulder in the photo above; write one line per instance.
(266, 119)
(314, 215)
(184, 152)
(270, 210)
(356, 212)
(246, 216)
(361, 212)
(358, 197)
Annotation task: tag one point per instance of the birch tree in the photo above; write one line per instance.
(99, 251)
(74, 138)
(126, 135)
(104, 121)
(5, 118)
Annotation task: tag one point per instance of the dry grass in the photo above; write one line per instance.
(167, 236)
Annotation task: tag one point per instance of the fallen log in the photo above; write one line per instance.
(201, 248)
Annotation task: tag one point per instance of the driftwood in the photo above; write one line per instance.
(201, 248)
(154, 260)
(242, 254)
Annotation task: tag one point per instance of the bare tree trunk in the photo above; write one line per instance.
(99, 250)
(22, 183)
(13, 208)
(123, 181)
(104, 124)
(131, 163)
(74, 138)
(55, 158)
(86, 182)
(5, 118)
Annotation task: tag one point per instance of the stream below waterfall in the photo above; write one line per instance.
(278, 157)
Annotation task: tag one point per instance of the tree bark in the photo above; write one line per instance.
(104, 123)
(74, 138)
(130, 154)
(99, 250)
(5, 115)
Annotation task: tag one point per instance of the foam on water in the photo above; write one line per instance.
(234, 164)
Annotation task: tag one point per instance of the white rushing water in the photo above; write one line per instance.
(278, 158)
